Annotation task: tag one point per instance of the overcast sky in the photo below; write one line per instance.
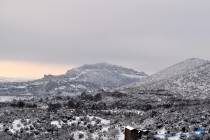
(147, 35)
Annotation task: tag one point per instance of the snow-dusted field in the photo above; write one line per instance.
(102, 127)
(11, 98)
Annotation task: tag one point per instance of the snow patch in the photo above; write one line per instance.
(16, 126)
(57, 124)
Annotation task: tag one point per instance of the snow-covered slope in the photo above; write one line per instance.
(105, 75)
(88, 78)
(190, 78)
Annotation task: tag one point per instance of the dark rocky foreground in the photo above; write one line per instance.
(103, 116)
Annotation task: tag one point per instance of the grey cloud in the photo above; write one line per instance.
(146, 35)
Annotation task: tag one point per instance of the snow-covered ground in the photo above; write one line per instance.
(58, 124)
(105, 132)
(163, 134)
(11, 98)
(1, 127)
(125, 111)
(106, 129)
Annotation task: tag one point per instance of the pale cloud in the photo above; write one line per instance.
(147, 35)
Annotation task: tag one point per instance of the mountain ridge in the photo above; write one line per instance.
(188, 78)
(87, 78)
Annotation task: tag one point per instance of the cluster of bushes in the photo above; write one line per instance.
(117, 94)
(99, 106)
(54, 107)
(22, 104)
(85, 96)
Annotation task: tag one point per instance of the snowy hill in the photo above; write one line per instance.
(87, 78)
(190, 78)
(105, 75)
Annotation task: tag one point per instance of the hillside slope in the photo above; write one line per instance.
(105, 75)
(87, 78)
(190, 78)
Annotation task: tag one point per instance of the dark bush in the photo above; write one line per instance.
(31, 105)
(98, 106)
(71, 103)
(58, 97)
(117, 94)
(81, 136)
(98, 97)
(85, 96)
(18, 103)
(40, 100)
(53, 107)
(80, 105)
(147, 107)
